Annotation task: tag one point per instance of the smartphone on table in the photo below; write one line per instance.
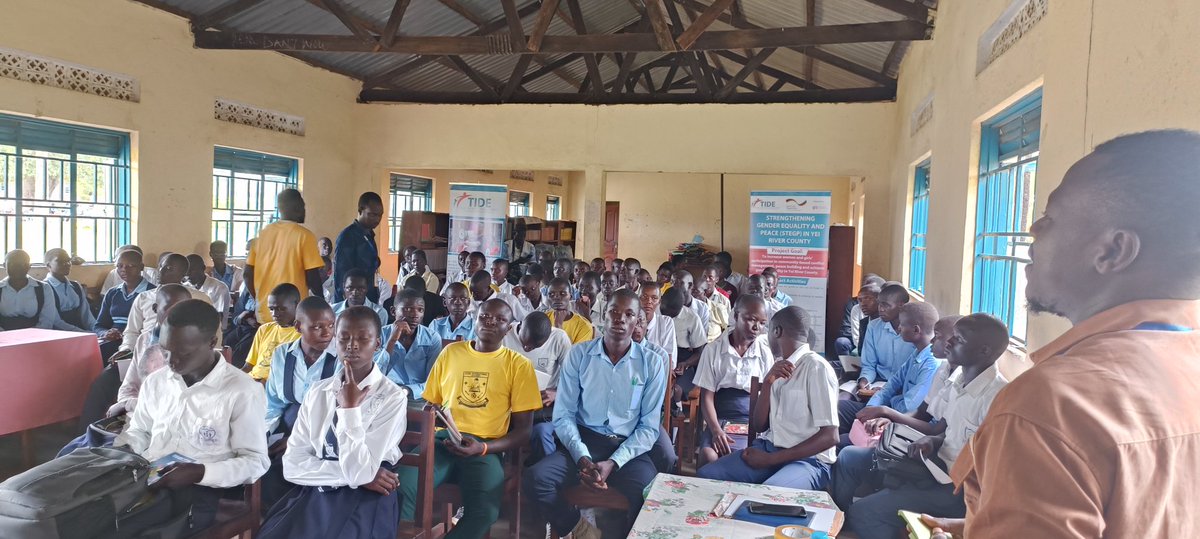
(794, 511)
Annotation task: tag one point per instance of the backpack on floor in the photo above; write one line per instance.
(80, 495)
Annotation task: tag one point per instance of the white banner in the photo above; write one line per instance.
(477, 215)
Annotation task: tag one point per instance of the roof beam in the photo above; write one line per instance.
(658, 22)
(542, 23)
(693, 62)
(768, 70)
(701, 23)
(802, 96)
(744, 72)
(514, 81)
(223, 13)
(475, 76)
(339, 11)
(550, 67)
(393, 23)
(913, 10)
(463, 12)
(810, 17)
(593, 65)
(515, 30)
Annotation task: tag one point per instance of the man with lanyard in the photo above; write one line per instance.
(1070, 446)
(355, 247)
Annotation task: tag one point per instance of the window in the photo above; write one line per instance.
(245, 185)
(1008, 161)
(920, 227)
(409, 193)
(553, 208)
(518, 204)
(63, 186)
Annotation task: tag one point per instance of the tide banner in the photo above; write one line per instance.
(789, 231)
(477, 215)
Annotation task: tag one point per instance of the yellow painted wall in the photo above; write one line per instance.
(173, 127)
(1107, 67)
(539, 188)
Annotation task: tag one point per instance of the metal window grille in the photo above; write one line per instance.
(920, 227)
(408, 193)
(553, 208)
(518, 204)
(245, 185)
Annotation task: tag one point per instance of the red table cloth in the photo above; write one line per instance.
(46, 375)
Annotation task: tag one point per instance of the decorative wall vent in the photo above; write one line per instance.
(21, 65)
(555, 180)
(1015, 22)
(523, 175)
(921, 115)
(241, 113)
(485, 171)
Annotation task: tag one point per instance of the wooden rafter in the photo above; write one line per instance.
(463, 12)
(559, 72)
(515, 30)
(351, 22)
(810, 12)
(692, 61)
(658, 22)
(223, 13)
(542, 24)
(771, 71)
(803, 96)
(701, 23)
(593, 65)
(744, 72)
(758, 76)
(514, 81)
(475, 76)
(393, 23)
(892, 57)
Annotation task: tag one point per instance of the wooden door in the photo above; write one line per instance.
(612, 224)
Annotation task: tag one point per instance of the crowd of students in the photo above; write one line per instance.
(576, 360)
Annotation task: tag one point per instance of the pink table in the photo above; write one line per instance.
(46, 375)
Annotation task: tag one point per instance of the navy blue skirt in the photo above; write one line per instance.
(343, 513)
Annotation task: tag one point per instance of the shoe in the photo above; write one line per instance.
(585, 530)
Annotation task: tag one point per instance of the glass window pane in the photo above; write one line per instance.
(245, 185)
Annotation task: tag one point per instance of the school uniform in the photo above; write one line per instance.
(432, 283)
(704, 313)
(738, 281)
(504, 287)
(546, 358)
(114, 313)
(773, 306)
(148, 357)
(578, 328)
(267, 338)
(218, 292)
(379, 310)
(617, 417)
(73, 308)
(113, 280)
(800, 406)
(883, 351)
(409, 367)
(218, 421)
(143, 317)
(689, 330)
(481, 391)
(719, 315)
(661, 331)
(904, 391)
(523, 306)
(727, 375)
(32, 306)
(464, 332)
(963, 407)
(850, 331)
(232, 277)
(331, 454)
(600, 314)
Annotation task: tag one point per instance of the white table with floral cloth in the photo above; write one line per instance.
(682, 507)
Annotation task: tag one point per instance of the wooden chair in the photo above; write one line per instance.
(686, 426)
(236, 518)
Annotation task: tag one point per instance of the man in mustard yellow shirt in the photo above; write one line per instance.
(577, 327)
(491, 394)
(281, 330)
(285, 252)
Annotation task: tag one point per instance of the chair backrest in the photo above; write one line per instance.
(755, 387)
(417, 450)
(666, 408)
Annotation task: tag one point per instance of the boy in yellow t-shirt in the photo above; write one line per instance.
(282, 304)
(577, 327)
(491, 394)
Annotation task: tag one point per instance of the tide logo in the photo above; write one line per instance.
(472, 201)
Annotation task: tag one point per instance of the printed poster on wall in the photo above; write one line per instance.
(789, 231)
(477, 215)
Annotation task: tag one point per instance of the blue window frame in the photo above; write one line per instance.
(408, 193)
(518, 204)
(65, 186)
(919, 228)
(245, 185)
(1008, 160)
(553, 208)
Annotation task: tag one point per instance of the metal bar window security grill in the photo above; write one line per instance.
(408, 193)
(919, 228)
(245, 185)
(1008, 160)
(518, 204)
(63, 186)
(553, 208)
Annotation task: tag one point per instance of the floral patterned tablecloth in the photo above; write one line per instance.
(680, 507)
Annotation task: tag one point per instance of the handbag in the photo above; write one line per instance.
(891, 458)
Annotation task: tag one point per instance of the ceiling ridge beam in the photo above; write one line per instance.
(701, 23)
(846, 95)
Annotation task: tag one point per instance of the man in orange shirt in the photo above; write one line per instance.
(1101, 438)
(285, 252)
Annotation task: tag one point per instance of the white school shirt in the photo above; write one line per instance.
(600, 314)
(218, 293)
(856, 316)
(505, 287)
(143, 317)
(939, 384)
(720, 365)
(147, 359)
(689, 330)
(431, 281)
(522, 306)
(704, 312)
(367, 435)
(661, 331)
(964, 407)
(114, 280)
(773, 306)
(235, 281)
(548, 357)
(803, 403)
(718, 315)
(218, 421)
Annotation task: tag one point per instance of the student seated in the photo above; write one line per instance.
(344, 447)
(733, 278)
(578, 268)
(723, 376)
(883, 349)
(907, 387)
(69, 296)
(660, 328)
(598, 265)
(562, 270)
(690, 335)
(618, 269)
(726, 288)
(243, 323)
(561, 314)
(546, 347)
(663, 453)
(24, 302)
(460, 273)
(848, 335)
(482, 289)
(409, 348)
(683, 280)
(113, 279)
(949, 422)
(172, 268)
(500, 269)
(419, 263)
(629, 279)
(771, 275)
(605, 435)
(599, 316)
(796, 412)
(756, 285)
(434, 306)
(231, 275)
(354, 289)
(197, 277)
(719, 307)
(528, 297)
(491, 393)
(202, 408)
(114, 311)
(664, 274)
(282, 305)
(456, 325)
(148, 353)
(301, 364)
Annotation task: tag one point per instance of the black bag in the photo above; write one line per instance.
(891, 458)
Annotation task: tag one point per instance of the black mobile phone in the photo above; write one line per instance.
(794, 511)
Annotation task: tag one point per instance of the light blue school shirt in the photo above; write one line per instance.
(68, 300)
(906, 390)
(630, 407)
(785, 299)
(379, 311)
(465, 330)
(304, 378)
(883, 351)
(410, 368)
(24, 303)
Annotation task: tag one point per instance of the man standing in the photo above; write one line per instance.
(285, 252)
(1069, 448)
(355, 247)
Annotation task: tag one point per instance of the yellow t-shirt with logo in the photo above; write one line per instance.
(577, 328)
(266, 339)
(482, 390)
